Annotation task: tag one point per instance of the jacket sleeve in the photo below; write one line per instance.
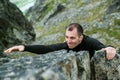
(42, 49)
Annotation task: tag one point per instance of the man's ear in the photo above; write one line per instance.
(81, 38)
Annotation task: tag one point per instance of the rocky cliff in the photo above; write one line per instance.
(98, 18)
(61, 65)
(14, 27)
(49, 18)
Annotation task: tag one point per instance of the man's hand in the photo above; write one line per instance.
(110, 52)
(15, 48)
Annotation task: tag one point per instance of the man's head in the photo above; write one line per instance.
(74, 35)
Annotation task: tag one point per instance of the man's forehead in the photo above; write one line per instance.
(71, 33)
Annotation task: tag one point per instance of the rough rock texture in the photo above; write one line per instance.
(104, 69)
(114, 7)
(54, 12)
(61, 65)
(98, 18)
(58, 65)
(14, 27)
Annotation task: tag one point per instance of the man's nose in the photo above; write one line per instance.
(68, 40)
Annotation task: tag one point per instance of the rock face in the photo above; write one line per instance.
(104, 69)
(61, 65)
(98, 18)
(14, 27)
(115, 7)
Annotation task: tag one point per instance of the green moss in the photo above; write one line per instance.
(52, 30)
(20, 54)
(116, 21)
(47, 8)
(111, 31)
(97, 12)
(63, 1)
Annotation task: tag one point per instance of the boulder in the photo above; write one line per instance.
(14, 27)
(62, 65)
(58, 65)
(104, 69)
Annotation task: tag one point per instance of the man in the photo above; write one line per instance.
(75, 40)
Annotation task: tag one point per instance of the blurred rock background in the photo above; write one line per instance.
(14, 26)
(21, 20)
(99, 18)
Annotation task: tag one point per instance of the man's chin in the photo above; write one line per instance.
(71, 47)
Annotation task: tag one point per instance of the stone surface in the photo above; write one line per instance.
(98, 18)
(14, 27)
(61, 65)
(104, 69)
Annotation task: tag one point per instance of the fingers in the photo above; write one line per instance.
(12, 49)
(15, 48)
(110, 52)
(7, 51)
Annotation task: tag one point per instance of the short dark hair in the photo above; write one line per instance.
(77, 26)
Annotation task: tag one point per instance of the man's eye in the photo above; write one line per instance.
(72, 38)
(66, 37)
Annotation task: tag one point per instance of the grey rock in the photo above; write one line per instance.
(62, 65)
(114, 7)
(58, 65)
(105, 69)
(92, 15)
(14, 27)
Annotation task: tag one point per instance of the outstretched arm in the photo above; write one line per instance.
(38, 49)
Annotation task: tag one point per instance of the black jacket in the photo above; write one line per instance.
(87, 44)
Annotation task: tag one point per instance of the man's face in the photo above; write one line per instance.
(72, 38)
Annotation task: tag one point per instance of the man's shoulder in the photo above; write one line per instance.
(89, 39)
